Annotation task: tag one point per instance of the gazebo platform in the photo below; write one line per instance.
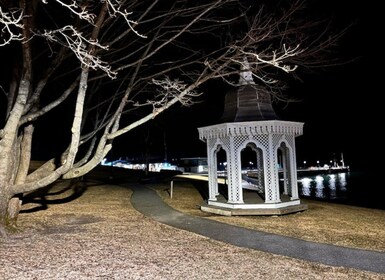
(252, 199)
(253, 212)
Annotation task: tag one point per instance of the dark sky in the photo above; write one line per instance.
(339, 106)
(340, 109)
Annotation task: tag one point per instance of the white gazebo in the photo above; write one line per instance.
(274, 147)
(269, 187)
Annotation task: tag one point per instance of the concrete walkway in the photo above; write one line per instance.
(147, 201)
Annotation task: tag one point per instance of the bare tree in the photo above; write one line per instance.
(122, 63)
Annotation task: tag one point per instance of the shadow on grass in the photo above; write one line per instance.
(54, 194)
(69, 190)
(202, 188)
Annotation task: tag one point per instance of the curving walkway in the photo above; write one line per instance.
(147, 201)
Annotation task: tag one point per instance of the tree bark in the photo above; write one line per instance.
(15, 202)
(14, 207)
(11, 129)
(4, 200)
(7, 148)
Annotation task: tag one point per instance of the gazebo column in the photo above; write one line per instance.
(212, 173)
(285, 170)
(271, 178)
(235, 194)
(260, 171)
(293, 173)
(215, 163)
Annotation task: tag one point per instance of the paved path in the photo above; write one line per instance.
(147, 201)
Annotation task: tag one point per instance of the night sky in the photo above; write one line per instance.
(338, 106)
(339, 110)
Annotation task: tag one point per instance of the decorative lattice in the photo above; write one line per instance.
(260, 168)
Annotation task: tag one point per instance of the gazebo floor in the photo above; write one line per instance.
(251, 197)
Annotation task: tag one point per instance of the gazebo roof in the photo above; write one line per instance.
(251, 128)
(248, 102)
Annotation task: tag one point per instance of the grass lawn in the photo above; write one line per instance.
(323, 222)
(90, 230)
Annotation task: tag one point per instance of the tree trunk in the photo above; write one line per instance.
(7, 147)
(4, 201)
(9, 140)
(24, 160)
(14, 207)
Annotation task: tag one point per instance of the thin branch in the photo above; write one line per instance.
(71, 38)
(10, 20)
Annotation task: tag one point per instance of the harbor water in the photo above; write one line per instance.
(352, 188)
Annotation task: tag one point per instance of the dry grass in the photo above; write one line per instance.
(323, 222)
(93, 232)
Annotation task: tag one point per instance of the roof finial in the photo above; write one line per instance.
(245, 76)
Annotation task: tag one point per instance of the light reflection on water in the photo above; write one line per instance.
(353, 188)
(325, 186)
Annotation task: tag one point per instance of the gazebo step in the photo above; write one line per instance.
(253, 212)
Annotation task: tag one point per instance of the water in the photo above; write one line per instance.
(352, 188)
